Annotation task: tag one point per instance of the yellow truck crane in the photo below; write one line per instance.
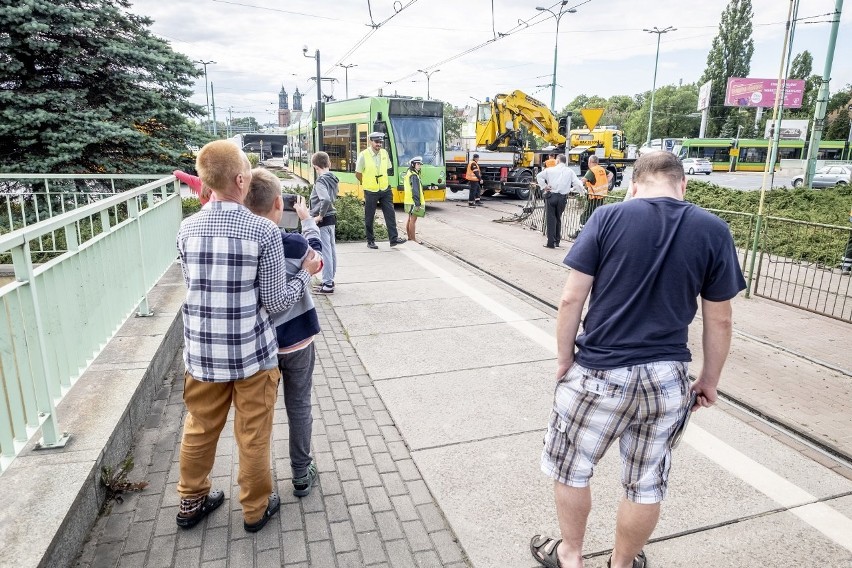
(508, 165)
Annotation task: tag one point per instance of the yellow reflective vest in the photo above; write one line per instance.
(600, 188)
(408, 196)
(371, 178)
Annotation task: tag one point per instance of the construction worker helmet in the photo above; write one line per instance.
(376, 136)
(415, 160)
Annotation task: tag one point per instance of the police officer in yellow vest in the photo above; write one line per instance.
(597, 188)
(372, 173)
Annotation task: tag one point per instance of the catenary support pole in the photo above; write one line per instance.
(822, 97)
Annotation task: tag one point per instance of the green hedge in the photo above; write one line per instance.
(350, 215)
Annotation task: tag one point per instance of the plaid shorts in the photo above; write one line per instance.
(642, 405)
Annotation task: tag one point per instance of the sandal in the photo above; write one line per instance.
(211, 502)
(543, 549)
(639, 562)
(271, 509)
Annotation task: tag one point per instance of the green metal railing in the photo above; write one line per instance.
(56, 317)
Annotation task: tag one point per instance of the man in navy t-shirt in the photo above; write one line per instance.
(645, 262)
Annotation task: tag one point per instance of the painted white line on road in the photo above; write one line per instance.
(820, 516)
(517, 321)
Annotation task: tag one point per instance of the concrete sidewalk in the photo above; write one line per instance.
(371, 507)
(472, 395)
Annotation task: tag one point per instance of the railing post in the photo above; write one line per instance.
(133, 212)
(758, 227)
(50, 430)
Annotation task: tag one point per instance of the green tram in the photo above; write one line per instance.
(412, 128)
(752, 152)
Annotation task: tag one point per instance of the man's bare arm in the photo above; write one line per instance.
(716, 343)
(574, 295)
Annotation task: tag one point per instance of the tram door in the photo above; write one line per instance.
(362, 138)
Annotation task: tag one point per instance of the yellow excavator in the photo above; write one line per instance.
(508, 164)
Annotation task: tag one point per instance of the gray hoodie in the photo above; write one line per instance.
(323, 196)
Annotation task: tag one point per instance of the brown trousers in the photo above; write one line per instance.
(207, 406)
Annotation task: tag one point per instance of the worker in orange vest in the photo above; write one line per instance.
(474, 182)
(550, 162)
(597, 182)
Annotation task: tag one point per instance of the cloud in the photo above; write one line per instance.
(602, 48)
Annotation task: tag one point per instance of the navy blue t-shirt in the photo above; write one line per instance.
(651, 259)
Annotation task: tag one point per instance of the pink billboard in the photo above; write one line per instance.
(747, 92)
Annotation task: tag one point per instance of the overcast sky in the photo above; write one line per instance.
(257, 46)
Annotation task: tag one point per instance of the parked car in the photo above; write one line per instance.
(697, 166)
(829, 176)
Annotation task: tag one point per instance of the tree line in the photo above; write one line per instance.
(85, 87)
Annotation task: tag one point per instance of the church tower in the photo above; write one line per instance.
(283, 108)
(297, 100)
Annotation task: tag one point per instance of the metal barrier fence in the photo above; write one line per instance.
(797, 264)
(797, 261)
(56, 317)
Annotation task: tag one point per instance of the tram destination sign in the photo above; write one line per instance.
(748, 92)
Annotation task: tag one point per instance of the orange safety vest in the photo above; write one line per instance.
(472, 170)
(600, 188)
(549, 163)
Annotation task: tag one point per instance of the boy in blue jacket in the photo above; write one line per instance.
(295, 328)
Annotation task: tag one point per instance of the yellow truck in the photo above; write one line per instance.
(507, 163)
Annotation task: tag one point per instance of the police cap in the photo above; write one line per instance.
(376, 136)
(415, 160)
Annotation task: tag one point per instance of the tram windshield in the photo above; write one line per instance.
(418, 136)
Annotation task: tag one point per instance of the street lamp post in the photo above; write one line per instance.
(319, 117)
(659, 33)
(428, 74)
(346, 72)
(206, 89)
(558, 17)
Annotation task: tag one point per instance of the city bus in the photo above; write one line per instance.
(752, 151)
(412, 128)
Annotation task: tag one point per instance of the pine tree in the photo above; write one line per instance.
(85, 87)
(729, 56)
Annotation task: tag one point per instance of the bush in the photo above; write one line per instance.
(350, 216)
(190, 205)
(254, 159)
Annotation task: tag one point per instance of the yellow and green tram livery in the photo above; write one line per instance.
(749, 154)
(412, 128)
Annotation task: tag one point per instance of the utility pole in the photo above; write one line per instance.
(206, 89)
(346, 73)
(556, 46)
(659, 33)
(319, 113)
(822, 98)
(428, 75)
(230, 119)
(213, 102)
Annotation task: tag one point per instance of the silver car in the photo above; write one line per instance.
(829, 176)
(697, 166)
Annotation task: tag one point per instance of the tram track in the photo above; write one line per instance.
(786, 430)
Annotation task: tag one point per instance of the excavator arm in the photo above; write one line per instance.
(508, 113)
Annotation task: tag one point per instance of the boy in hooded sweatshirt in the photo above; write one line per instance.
(322, 200)
(294, 328)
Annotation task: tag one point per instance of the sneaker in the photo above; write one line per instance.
(323, 289)
(302, 485)
(397, 241)
(372, 245)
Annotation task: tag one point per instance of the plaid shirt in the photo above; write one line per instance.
(233, 266)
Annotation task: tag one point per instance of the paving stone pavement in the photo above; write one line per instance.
(371, 506)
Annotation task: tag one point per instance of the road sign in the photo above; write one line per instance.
(592, 116)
